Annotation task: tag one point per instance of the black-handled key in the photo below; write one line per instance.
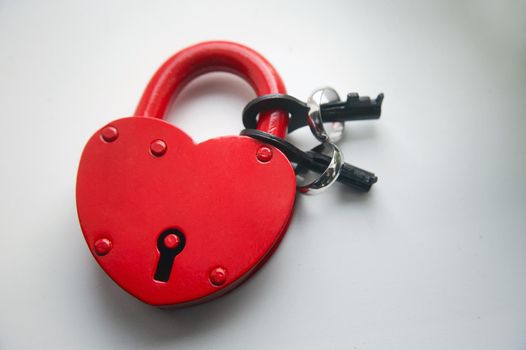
(318, 162)
(350, 175)
(356, 107)
(170, 243)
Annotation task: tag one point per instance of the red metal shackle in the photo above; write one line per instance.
(213, 56)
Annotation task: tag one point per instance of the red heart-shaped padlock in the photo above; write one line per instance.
(173, 222)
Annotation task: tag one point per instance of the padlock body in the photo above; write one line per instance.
(232, 208)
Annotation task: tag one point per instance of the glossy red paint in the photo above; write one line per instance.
(232, 208)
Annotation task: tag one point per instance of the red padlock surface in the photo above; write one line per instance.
(231, 197)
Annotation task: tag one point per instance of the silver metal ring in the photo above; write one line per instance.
(315, 117)
(329, 176)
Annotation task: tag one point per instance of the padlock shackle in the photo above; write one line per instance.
(212, 56)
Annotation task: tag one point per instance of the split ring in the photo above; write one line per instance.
(329, 175)
(315, 118)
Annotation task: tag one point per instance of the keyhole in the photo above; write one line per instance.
(170, 243)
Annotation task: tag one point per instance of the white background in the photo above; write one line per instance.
(434, 257)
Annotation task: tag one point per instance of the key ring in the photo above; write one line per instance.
(329, 175)
(315, 117)
(315, 122)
